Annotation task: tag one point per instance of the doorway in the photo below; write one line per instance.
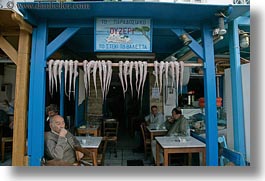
(126, 107)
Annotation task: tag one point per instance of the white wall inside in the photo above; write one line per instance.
(245, 72)
(169, 94)
(169, 97)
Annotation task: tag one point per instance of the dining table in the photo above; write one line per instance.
(179, 144)
(156, 131)
(94, 130)
(91, 143)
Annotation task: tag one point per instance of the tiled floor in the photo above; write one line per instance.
(8, 160)
(125, 151)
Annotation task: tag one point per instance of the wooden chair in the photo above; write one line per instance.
(79, 161)
(5, 140)
(101, 154)
(146, 139)
(110, 131)
(85, 131)
(87, 154)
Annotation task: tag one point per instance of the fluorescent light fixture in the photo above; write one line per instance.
(125, 55)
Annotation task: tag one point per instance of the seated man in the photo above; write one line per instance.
(155, 118)
(177, 124)
(60, 143)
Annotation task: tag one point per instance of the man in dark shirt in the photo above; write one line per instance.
(178, 124)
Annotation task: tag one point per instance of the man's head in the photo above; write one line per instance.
(52, 110)
(57, 123)
(176, 113)
(154, 110)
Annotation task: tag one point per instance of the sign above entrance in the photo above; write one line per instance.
(123, 35)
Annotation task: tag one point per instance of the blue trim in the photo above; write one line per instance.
(37, 95)
(184, 89)
(243, 21)
(60, 40)
(31, 92)
(62, 94)
(194, 45)
(237, 92)
(210, 98)
(73, 23)
(198, 137)
(236, 157)
(233, 156)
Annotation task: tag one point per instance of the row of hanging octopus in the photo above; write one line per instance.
(174, 69)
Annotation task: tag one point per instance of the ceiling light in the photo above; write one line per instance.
(186, 40)
(244, 40)
(221, 27)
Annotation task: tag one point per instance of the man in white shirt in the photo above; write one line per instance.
(155, 118)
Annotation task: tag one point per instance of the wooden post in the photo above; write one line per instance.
(21, 99)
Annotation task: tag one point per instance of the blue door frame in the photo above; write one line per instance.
(206, 53)
(37, 90)
(41, 52)
(236, 85)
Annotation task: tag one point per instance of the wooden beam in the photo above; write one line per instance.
(9, 31)
(21, 99)
(22, 24)
(8, 49)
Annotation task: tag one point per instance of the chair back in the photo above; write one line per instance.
(84, 132)
(110, 127)
(144, 132)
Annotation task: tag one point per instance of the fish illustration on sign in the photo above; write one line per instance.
(117, 38)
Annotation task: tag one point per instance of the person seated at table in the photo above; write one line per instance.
(7, 118)
(60, 143)
(155, 118)
(51, 110)
(177, 124)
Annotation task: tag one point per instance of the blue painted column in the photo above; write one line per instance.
(37, 94)
(210, 98)
(237, 93)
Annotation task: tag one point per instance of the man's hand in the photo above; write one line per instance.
(171, 120)
(63, 132)
(79, 155)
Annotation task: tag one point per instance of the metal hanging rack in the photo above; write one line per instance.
(150, 64)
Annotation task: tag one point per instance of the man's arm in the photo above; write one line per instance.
(173, 129)
(183, 126)
(72, 140)
(56, 149)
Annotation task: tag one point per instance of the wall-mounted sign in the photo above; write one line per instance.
(123, 35)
